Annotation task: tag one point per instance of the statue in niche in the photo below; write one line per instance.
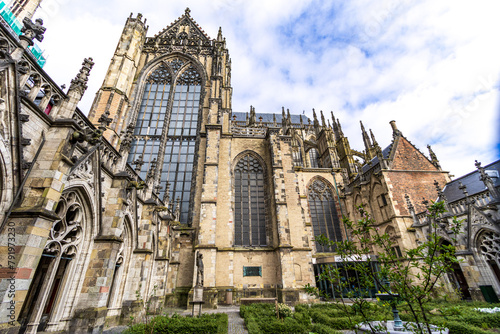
(199, 273)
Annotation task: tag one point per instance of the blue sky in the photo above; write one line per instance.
(431, 66)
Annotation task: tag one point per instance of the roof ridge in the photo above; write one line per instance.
(185, 15)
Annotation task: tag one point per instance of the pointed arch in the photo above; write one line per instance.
(167, 118)
(121, 269)
(60, 272)
(324, 209)
(250, 212)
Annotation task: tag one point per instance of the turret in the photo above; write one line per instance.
(115, 92)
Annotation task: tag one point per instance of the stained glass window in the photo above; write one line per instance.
(250, 209)
(325, 219)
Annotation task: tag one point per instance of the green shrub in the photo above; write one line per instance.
(322, 329)
(287, 326)
(206, 324)
(302, 318)
(335, 322)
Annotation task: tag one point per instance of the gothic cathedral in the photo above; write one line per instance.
(164, 187)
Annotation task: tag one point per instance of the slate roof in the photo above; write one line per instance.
(385, 152)
(472, 182)
(268, 117)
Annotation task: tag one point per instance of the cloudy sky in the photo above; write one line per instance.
(433, 66)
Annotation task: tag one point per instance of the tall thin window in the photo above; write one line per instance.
(170, 109)
(249, 206)
(313, 157)
(325, 219)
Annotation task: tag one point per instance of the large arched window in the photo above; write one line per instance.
(170, 105)
(325, 219)
(249, 203)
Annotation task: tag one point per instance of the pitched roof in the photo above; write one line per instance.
(472, 182)
(184, 19)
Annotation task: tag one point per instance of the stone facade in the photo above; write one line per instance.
(97, 225)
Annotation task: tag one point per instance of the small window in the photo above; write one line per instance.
(252, 271)
(397, 251)
(382, 201)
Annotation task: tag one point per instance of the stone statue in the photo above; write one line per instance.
(199, 273)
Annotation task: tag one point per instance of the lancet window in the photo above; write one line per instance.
(170, 105)
(249, 205)
(325, 219)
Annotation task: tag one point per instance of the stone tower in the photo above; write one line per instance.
(24, 8)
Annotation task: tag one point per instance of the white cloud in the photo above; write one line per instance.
(431, 66)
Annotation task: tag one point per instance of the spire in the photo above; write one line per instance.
(340, 128)
(79, 83)
(488, 182)
(366, 139)
(274, 120)
(315, 120)
(411, 209)
(335, 127)
(253, 118)
(219, 35)
(76, 90)
(323, 123)
(288, 118)
(374, 141)
(301, 121)
(283, 117)
(434, 158)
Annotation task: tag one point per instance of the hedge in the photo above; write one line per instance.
(206, 324)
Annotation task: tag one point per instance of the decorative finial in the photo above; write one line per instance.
(138, 163)
(79, 83)
(434, 158)
(33, 30)
(488, 182)
(462, 187)
(187, 11)
(104, 121)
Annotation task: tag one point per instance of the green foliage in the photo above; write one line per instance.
(284, 311)
(322, 329)
(206, 324)
(413, 275)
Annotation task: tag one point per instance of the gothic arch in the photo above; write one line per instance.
(151, 66)
(250, 200)
(323, 203)
(6, 178)
(122, 265)
(61, 270)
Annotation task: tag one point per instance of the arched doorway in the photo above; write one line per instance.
(56, 265)
(457, 278)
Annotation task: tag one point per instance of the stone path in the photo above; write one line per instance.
(236, 324)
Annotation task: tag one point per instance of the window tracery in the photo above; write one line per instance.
(250, 210)
(167, 122)
(160, 76)
(489, 246)
(189, 77)
(325, 219)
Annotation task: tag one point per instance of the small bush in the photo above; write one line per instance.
(322, 329)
